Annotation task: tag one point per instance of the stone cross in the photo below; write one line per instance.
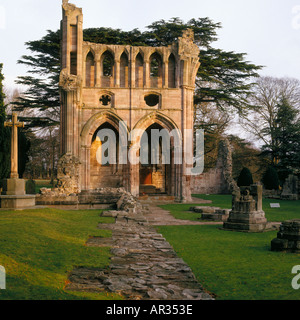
(14, 144)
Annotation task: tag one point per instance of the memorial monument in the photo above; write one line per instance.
(14, 194)
(247, 214)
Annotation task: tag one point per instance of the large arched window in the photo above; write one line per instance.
(124, 70)
(155, 65)
(90, 70)
(172, 71)
(139, 71)
(107, 67)
(156, 70)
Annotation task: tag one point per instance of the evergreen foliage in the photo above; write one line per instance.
(4, 134)
(30, 186)
(223, 78)
(270, 179)
(245, 178)
(284, 149)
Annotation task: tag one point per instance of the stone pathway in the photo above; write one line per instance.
(160, 217)
(144, 266)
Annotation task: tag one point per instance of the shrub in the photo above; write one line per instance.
(245, 178)
(30, 186)
(270, 179)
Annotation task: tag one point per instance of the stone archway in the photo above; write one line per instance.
(155, 164)
(161, 177)
(94, 173)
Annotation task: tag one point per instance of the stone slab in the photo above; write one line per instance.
(13, 187)
(17, 202)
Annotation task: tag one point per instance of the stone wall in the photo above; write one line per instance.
(219, 179)
(127, 96)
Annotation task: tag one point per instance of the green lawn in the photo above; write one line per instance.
(38, 248)
(233, 265)
(288, 209)
(42, 184)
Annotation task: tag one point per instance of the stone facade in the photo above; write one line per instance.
(143, 88)
(218, 180)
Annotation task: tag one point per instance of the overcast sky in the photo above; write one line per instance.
(267, 30)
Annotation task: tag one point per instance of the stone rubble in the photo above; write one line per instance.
(144, 266)
(212, 213)
(288, 237)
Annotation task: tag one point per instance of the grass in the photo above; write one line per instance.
(42, 184)
(38, 248)
(233, 265)
(288, 209)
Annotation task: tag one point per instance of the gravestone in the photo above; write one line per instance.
(247, 214)
(288, 238)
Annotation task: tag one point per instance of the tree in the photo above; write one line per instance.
(23, 151)
(284, 148)
(270, 179)
(223, 78)
(245, 178)
(4, 134)
(214, 124)
(43, 155)
(267, 96)
(42, 95)
(245, 154)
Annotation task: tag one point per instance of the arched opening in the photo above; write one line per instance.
(155, 161)
(90, 70)
(107, 67)
(171, 71)
(139, 71)
(124, 70)
(156, 70)
(105, 171)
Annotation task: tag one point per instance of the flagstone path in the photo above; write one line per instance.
(144, 266)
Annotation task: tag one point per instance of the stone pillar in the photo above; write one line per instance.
(147, 74)
(132, 73)
(79, 45)
(85, 167)
(166, 74)
(14, 145)
(98, 71)
(117, 74)
(14, 194)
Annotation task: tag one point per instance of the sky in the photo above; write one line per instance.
(267, 30)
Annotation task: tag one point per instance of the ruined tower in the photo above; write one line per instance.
(127, 90)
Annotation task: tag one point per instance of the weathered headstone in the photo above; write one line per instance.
(247, 214)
